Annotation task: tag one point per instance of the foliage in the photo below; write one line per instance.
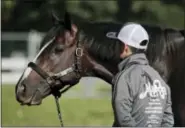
(23, 15)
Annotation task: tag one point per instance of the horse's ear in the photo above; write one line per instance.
(56, 20)
(67, 21)
(74, 29)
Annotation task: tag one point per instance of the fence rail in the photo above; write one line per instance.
(13, 66)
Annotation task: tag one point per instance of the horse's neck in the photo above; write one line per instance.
(102, 73)
(99, 70)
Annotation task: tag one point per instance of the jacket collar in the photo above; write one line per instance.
(139, 58)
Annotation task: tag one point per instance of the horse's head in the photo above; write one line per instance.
(61, 56)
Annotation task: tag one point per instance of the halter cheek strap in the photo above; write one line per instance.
(51, 80)
(63, 73)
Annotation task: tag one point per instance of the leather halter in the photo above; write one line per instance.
(52, 80)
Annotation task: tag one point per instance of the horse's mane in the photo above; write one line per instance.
(161, 40)
(94, 36)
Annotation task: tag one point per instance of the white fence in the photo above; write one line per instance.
(13, 65)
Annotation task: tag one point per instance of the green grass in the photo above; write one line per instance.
(76, 112)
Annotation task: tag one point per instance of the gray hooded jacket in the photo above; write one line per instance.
(140, 96)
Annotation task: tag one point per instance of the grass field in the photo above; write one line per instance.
(76, 112)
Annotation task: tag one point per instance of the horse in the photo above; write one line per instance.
(69, 52)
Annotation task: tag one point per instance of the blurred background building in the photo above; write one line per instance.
(25, 22)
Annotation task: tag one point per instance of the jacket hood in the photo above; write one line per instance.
(139, 58)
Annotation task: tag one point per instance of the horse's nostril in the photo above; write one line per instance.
(22, 88)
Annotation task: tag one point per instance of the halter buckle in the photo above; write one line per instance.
(79, 52)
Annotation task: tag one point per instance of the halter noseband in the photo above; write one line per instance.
(52, 80)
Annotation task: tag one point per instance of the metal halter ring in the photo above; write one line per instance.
(79, 52)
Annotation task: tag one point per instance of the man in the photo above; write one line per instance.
(140, 97)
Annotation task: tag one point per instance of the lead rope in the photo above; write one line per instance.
(58, 110)
(57, 95)
(77, 63)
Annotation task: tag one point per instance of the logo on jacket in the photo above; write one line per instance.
(154, 91)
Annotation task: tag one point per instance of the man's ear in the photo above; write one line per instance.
(126, 48)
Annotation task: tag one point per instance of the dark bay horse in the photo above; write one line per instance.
(72, 51)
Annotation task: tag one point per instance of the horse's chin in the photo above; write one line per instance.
(36, 99)
(32, 103)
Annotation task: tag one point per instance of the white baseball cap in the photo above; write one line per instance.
(133, 34)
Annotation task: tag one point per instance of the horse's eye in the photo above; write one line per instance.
(59, 48)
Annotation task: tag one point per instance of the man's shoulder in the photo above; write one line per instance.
(133, 71)
(129, 74)
(153, 74)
